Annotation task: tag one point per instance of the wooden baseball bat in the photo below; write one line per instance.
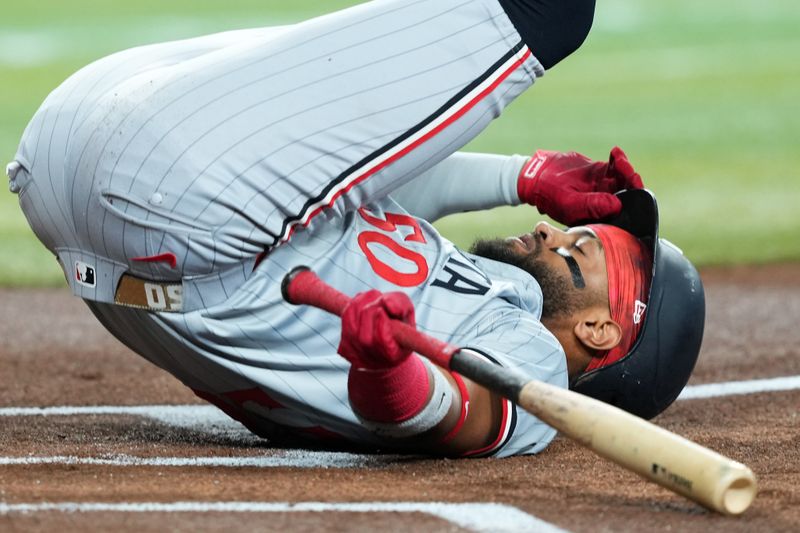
(685, 467)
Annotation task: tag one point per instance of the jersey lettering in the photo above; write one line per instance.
(163, 299)
(383, 269)
(155, 296)
(392, 221)
(458, 280)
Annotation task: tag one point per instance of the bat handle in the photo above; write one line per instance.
(302, 286)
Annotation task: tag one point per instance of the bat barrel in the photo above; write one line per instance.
(737, 489)
(670, 460)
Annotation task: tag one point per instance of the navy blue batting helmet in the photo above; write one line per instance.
(657, 367)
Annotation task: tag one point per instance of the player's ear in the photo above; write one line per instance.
(596, 330)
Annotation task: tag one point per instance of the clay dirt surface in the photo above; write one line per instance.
(54, 353)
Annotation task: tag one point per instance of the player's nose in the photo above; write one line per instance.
(549, 235)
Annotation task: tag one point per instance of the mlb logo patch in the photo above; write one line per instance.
(84, 274)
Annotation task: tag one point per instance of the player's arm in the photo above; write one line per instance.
(404, 398)
(567, 186)
(474, 425)
(461, 183)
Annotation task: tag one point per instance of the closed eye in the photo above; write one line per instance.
(580, 243)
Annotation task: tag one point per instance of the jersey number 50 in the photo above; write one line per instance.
(384, 270)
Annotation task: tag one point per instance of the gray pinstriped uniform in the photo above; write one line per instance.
(217, 149)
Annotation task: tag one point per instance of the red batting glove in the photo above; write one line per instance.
(571, 188)
(367, 340)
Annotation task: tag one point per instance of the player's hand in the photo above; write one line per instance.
(367, 340)
(571, 188)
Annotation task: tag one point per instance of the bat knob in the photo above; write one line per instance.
(289, 278)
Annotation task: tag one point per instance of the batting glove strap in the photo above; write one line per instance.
(425, 419)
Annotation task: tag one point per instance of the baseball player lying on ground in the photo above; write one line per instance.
(178, 183)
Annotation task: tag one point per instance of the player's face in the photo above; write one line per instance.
(570, 265)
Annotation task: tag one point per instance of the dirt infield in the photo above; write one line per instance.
(53, 353)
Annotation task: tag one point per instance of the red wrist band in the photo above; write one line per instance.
(390, 395)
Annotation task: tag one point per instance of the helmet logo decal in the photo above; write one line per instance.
(638, 311)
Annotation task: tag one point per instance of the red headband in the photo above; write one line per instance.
(628, 263)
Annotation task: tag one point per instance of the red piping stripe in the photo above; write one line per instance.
(500, 436)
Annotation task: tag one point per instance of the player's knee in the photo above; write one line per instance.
(552, 29)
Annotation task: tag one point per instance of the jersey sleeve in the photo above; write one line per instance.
(515, 339)
(463, 182)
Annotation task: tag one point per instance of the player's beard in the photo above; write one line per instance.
(559, 297)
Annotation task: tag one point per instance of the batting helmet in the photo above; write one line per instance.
(657, 367)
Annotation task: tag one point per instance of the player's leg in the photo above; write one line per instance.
(466, 100)
(230, 153)
(194, 170)
(383, 92)
(553, 29)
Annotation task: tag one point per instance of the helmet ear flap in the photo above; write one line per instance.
(657, 367)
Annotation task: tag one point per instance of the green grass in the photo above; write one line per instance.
(704, 97)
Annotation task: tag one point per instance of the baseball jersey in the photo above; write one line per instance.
(274, 366)
(184, 163)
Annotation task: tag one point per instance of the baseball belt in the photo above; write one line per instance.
(151, 295)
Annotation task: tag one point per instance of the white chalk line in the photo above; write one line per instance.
(473, 516)
(186, 416)
(281, 459)
(477, 516)
(208, 416)
(736, 388)
(210, 420)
